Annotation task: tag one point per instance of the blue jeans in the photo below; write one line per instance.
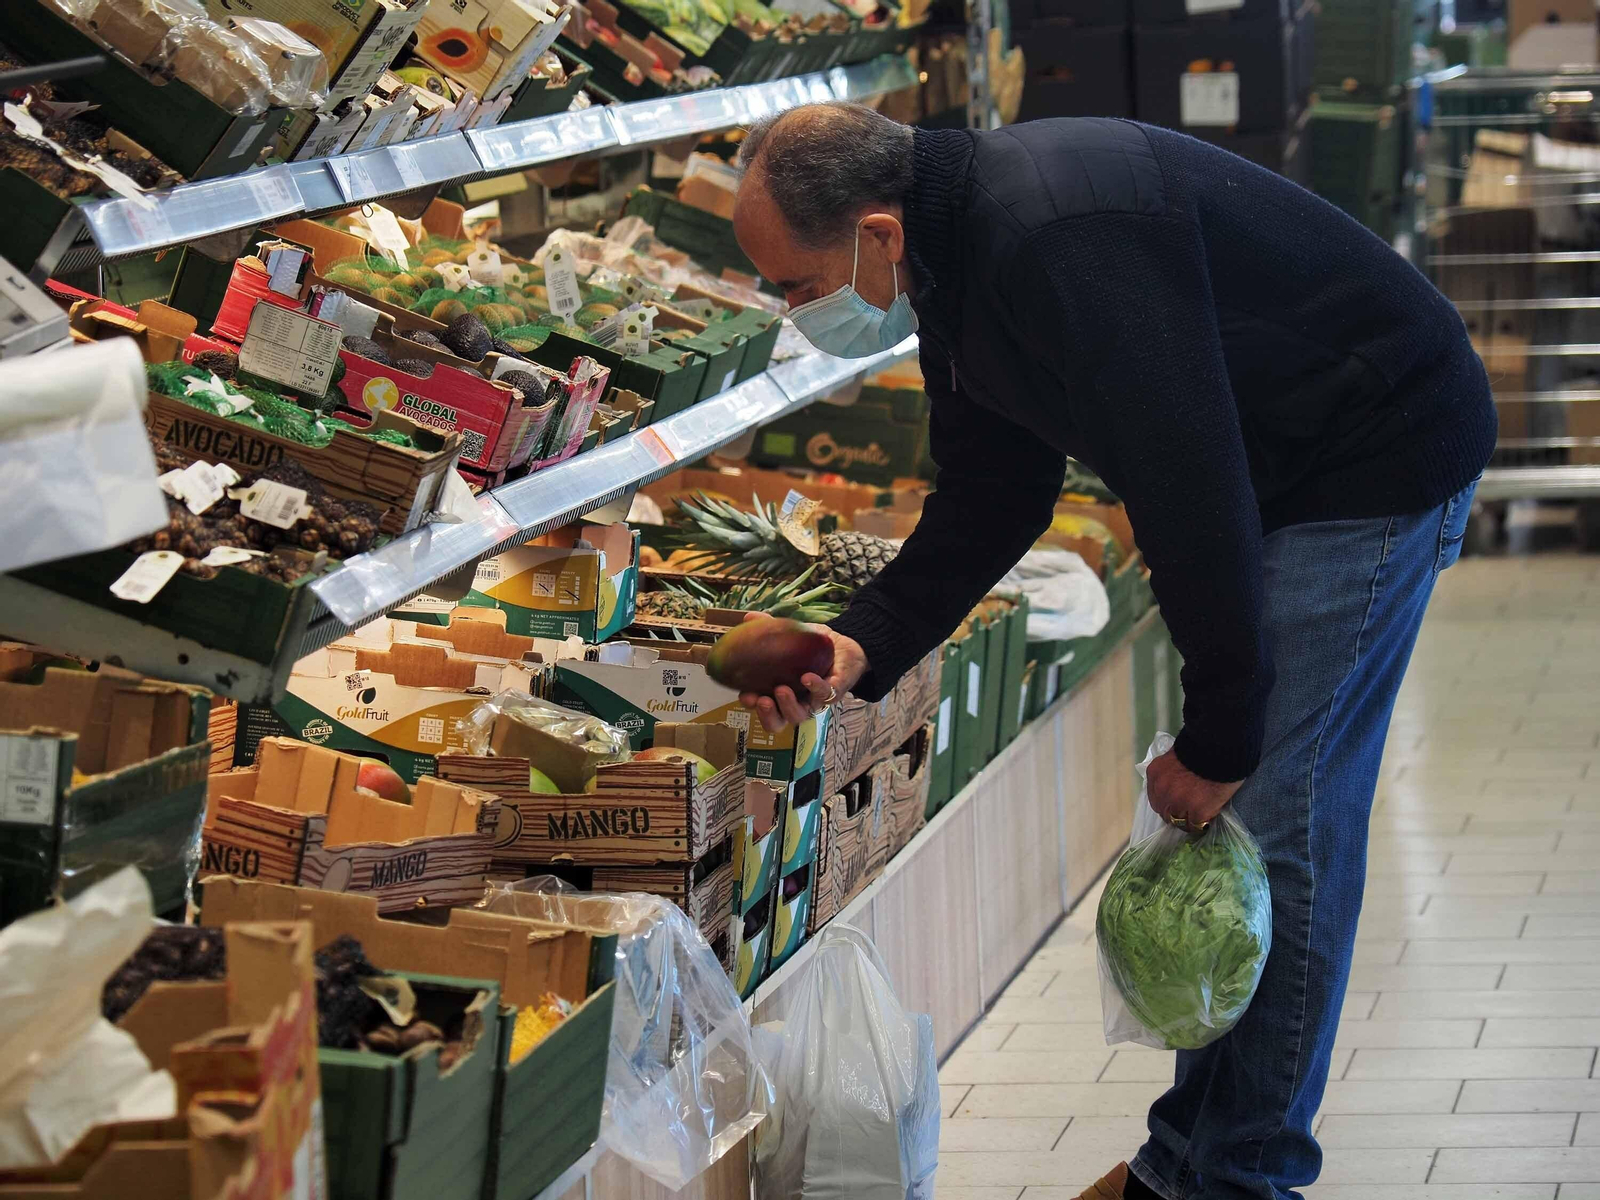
(1344, 601)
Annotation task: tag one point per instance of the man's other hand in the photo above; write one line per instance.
(1177, 792)
(784, 708)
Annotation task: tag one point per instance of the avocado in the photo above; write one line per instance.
(419, 367)
(366, 348)
(468, 337)
(219, 362)
(501, 346)
(426, 337)
(530, 385)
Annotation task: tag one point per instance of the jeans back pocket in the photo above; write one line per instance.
(1453, 528)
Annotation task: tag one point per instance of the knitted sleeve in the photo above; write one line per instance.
(995, 494)
(1121, 306)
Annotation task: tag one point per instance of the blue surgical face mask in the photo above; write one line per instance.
(842, 323)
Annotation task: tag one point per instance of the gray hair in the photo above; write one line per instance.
(824, 163)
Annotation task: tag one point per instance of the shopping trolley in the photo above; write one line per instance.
(1512, 226)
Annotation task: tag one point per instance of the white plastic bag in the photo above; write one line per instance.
(856, 1115)
(683, 1083)
(1183, 929)
(1065, 597)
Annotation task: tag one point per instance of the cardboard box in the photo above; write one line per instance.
(488, 45)
(640, 813)
(1076, 72)
(758, 839)
(396, 690)
(243, 1054)
(1521, 15)
(405, 484)
(101, 770)
(853, 845)
(867, 443)
(750, 936)
(791, 914)
(557, 1089)
(402, 1125)
(550, 588)
(710, 184)
(1261, 54)
(906, 782)
(802, 816)
(704, 890)
(297, 817)
(635, 684)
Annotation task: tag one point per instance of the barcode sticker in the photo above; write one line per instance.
(561, 283)
(199, 485)
(946, 720)
(974, 688)
(147, 576)
(1209, 98)
(273, 503)
(28, 767)
(290, 348)
(488, 572)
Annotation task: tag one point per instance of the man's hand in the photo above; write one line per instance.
(783, 707)
(1177, 792)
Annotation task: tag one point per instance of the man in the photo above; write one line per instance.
(1295, 419)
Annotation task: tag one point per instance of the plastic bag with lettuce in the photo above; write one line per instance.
(1184, 927)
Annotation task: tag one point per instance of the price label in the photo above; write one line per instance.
(700, 310)
(561, 282)
(946, 722)
(974, 688)
(1209, 98)
(387, 234)
(353, 178)
(147, 576)
(797, 522)
(483, 264)
(650, 438)
(273, 503)
(290, 348)
(635, 337)
(199, 485)
(28, 779)
(454, 276)
(284, 266)
(231, 556)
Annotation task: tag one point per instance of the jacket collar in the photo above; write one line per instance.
(935, 213)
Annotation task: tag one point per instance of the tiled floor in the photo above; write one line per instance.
(1465, 1067)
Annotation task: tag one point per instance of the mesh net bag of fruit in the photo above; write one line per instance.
(1184, 927)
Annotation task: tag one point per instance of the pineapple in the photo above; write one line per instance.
(729, 539)
(673, 604)
(774, 599)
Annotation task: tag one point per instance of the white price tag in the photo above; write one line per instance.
(290, 347)
(561, 282)
(273, 503)
(147, 576)
(946, 723)
(1052, 682)
(199, 485)
(727, 380)
(28, 767)
(700, 310)
(635, 337)
(511, 274)
(1022, 703)
(231, 556)
(387, 234)
(454, 276)
(1209, 98)
(483, 264)
(974, 688)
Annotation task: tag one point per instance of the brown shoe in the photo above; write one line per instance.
(1112, 1187)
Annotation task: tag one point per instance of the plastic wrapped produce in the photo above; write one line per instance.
(298, 71)
(1184, 927)
(683, 1083)
(567, 746)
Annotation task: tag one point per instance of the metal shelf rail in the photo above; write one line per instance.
(193, 211)
(372, 584)
(1513, 225)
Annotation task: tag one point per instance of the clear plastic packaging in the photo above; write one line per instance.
(568, 746)
(218, 64)
(856, 1085)
(1184, 927)
(297, 69)
(683, 1084)
(136, 29)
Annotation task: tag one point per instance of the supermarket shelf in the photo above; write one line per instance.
(1563, 483)
(371, 584)
(193, 211)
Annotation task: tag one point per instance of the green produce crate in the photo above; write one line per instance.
(1363, 49)
(39, 223)
(972, 730)
(538, 100)
(672, 379)
(184, 129)
(546, 1111)
(880, 438)
(941, 767)
(402, 1128)
(1357, 159)
(1013, 689)
(704, 236)
(994, 679)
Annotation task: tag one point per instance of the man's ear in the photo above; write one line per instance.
(886, 230)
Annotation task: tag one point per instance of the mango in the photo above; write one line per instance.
(382, 780)
(760, 656)
(541, 784)
(703, 770)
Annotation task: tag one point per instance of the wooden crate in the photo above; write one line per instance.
(704, 890)
(433, 852)
(640, 813)
(403, 482)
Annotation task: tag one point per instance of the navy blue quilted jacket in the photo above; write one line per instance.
(1228, 352)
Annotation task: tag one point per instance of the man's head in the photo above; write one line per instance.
(817, 178)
